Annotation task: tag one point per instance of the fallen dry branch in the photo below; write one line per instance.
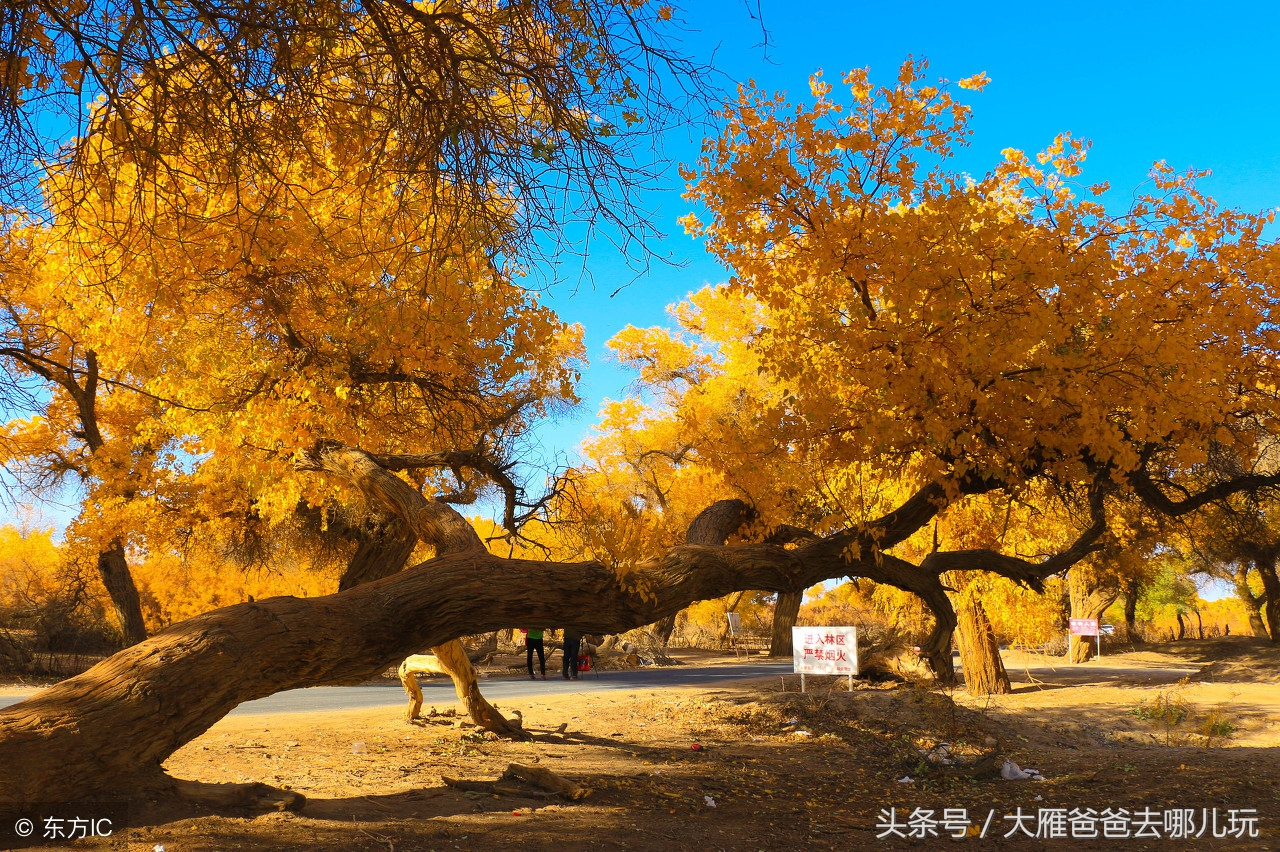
(495, 788)
(547, 780)
(253, 796)
(986, 766)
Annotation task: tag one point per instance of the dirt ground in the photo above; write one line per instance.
(773, 769)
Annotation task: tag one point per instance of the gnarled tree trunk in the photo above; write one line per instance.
(113, 568)
(107, 731)
(1089, 599)
(1266, 567)
(382, 548)
(1252, 603)
(984, 671)
(785, 614)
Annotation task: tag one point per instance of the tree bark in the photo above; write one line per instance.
(1253, 604)
(984, 671)
(109, 729)
(382, 549)
(1131, 591)
(785, 614)
(663, 628)
(1266, 566)
(113, 568)
(1182, 628)
(1089, 599)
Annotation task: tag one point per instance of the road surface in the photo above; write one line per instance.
(440, 691)
(1022, 668)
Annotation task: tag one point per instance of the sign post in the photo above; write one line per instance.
(735, 633)
(1086, 627)
(824, 650)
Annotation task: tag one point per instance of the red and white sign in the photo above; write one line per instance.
(825, 650)
(1084, 626)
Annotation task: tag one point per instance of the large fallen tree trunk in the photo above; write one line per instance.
(107, 731)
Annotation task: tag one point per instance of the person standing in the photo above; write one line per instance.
(533, 642)
(572, 645)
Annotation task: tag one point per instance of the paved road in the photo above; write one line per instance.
(440, 691)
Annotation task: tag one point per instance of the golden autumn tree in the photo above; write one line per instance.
(291, 310)
(40, 591)
(82, 415)
(654, 463)
(1237, 539)
(305, 267)
(430, 90)
(950, 336)
(891, 330)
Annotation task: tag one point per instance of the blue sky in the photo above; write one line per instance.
(1193, 84)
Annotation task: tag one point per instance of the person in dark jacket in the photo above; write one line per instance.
(572, 645)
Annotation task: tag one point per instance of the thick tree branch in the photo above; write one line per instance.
(1031, 574)
(1150, 493)
(433, 523)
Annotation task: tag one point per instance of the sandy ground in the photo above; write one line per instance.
(784, 770)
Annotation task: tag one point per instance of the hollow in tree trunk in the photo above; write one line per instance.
(113, 568)
(984, 672)
(785, 614)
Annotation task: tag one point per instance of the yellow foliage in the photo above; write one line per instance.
(30, 567)
(176, 586)
(998, 325)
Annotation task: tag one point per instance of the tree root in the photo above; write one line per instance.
(252, 796)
